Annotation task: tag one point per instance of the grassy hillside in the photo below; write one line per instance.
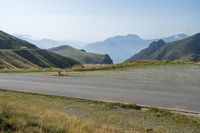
(121, 48)
(125, 66)
(187, 49)
(28, 59)
(81, 55)
(21, 112)
(10, 42)
(16, 53)
(146, 53)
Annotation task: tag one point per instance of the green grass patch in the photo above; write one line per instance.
(35, 70)
(83, 71)
(108, 67)
(124, 66)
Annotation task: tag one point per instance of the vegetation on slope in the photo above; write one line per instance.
(16, 53)
(146, 53)
(124, 66)
(10, 42)
(187, 49)
(99, 67)
(21, 112)
(29, 59)
(81, 55)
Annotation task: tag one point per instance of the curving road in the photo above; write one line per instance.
(154, 93)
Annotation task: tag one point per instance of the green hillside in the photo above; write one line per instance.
(187, 49)
(16, 53)
(10, 42)
(81, 55)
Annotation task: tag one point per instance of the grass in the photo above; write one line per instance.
(25, 112)
(77, 71)
(32, 59)
(81, 56)
(33, 70)
(124, 66)
(100, 67)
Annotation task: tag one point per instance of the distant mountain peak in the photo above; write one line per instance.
(180, 36)
(175, 37)
(157, 44)
(125, 37)
(133, 36)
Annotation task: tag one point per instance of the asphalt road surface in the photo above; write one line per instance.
(154, 93)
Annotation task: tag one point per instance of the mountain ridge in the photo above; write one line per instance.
(46, 43)
(81, 55)
(16, 53)
(122, 47)
(186, 49)
(10, 42)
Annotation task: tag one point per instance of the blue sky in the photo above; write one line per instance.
(93, 20)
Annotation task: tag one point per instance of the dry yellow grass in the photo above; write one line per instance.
(34, 113)
(21, 118)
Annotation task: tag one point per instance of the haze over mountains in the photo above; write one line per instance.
(81, 55)
(60, 47)
(121, 48)
(47, 43)
(187, 49)
(17, 53)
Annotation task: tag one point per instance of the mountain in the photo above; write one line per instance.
(118, 47)
(187, 49)
(146, 53)
(47, 43)
(10, 42)
(122, 47)
(175, 38)
(17, 53)
(81, 55)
